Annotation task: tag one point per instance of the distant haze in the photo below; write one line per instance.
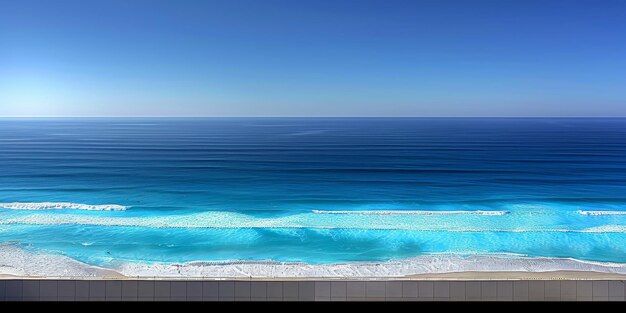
(312, 58)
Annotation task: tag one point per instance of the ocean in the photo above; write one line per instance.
(112, 191)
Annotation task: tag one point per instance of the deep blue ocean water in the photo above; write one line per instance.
(316, 190)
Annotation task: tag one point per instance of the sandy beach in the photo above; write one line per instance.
(551, 275)
(461, 276)
(16, 262)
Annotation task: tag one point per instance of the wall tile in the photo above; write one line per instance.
(2, 290)
(568, 288)
(82, 289)
(113, 290)
(145, 289)
(338, 290)
(409, 289)
(210, 290)
(489, 289)
(441, 289)
(457, 290)
(275, 290)
(536, 290)
(97, 290)
(30, 290)
(130, 290)
(584, 288)
(161, 289)
(393, 289)
(600, 289)
(66, 289)
(322, 290)
(48, 289)
(242, 290)
(425, 289)
(473, 290)
(375, 289)
(290, 289)
(194, 290)
(116, 290)
(520, 290)
(178, 289)
(356, 289)
(505, 290)
(258, 289)
(306, 291)
(616, 289)
(226, 289)
(552, 289)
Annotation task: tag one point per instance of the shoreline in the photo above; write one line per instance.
(509, 275)
(17, 263)
(458, 276)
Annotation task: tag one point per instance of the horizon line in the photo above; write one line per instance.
(318, 116)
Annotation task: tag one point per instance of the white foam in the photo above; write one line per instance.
(18, 262)
(427, 264)
(231, 220)
(34, 206)
(606, 229)
(413, 212)
(597, 213)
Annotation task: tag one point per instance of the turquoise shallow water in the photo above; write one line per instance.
(313, 190)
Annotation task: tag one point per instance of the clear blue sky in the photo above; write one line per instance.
(312, 58)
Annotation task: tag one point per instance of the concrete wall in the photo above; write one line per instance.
(197, 290)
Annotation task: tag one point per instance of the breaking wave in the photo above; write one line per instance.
(412, 212)
(36, 206)
(230, 220)
(607, 229)
(597, 213)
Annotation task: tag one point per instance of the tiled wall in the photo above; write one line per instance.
(177, 290)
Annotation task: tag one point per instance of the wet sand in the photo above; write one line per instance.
(552, 275)
(19, 263)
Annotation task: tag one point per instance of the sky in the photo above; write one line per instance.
(313, 58)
